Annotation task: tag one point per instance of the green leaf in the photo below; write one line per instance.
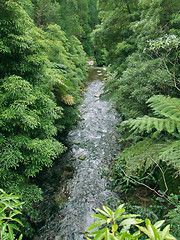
(149, 228)
(3, 209)
(14, 213)
(165, 232)
(103, 212)
(100, 235)
(15, 227)
(18, 221)
(159, 223)
(155, 231)
(143, 229)
(99, 216)
(170, 237)
(10, 232)
(109, 211)
(127, 216)
(20, 237)
(108, 220)
(114, 228)
(125, 228)
(119, 211)
(131, 221)
(96, 224)
(107, 234)
(114, 237)
(4, 228)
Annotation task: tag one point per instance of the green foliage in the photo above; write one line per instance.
(76, 18)
(10, 206)
(153, 231)
(171, 155)
(138, 83)
(45, 12)
(114, 36)
(140, 40)
(117, 226)
(42, 73)
(141, 156)
(27, 130)
(164, 106)
(174, 215)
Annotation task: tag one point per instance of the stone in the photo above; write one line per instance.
(113, 137)
(82, 157)
(67, 174)
(58, 238)
(76, 143)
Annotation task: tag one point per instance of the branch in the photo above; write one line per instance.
(152, 189)
(164, 179)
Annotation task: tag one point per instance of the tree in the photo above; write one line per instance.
(40, 73)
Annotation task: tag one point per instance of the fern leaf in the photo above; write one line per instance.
(166, 106)
(149, 123)
(171, 155)
(139, 156)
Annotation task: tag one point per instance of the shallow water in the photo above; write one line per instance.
(92, 146)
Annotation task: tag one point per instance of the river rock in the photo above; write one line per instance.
(113, 137)
(67, 174)
(58, 238)
(82, 157)
(76, 143)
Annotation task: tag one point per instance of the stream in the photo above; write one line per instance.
(91, 147)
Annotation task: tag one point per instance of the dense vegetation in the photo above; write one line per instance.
(139, 40)
(117, 225)
(43, 66)
(42, 79)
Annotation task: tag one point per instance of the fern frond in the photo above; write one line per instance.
(141, 155)
(171, 155)
(149, 123)
(166, 106)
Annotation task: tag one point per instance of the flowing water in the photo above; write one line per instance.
(92, 145)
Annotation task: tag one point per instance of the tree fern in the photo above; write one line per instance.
(165, 106)
(141, 155)
(148, 124)
(171, 154)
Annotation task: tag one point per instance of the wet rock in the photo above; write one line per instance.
(67, 174)
(57, 238)
(76, 143)
(60, 198)
(113, 137)
(82, 157)
(81, 119)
